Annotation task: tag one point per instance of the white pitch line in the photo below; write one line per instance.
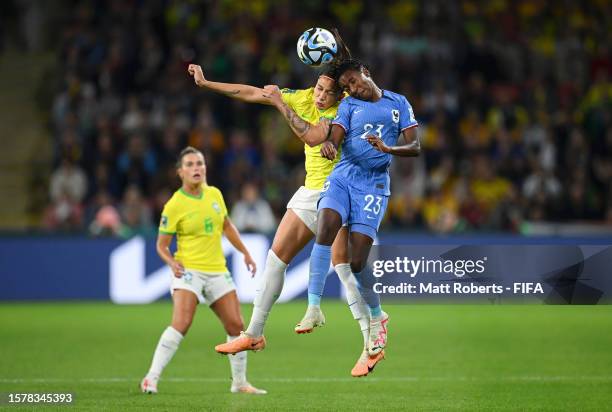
(330, 379)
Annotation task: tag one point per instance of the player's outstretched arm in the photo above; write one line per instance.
(312, 135)
(412, 148)
(233, 235)
(244, 92)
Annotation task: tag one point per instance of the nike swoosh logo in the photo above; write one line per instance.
(370, 217)
(360, 110)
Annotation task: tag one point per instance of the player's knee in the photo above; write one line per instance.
(326, 235)
(283, 254)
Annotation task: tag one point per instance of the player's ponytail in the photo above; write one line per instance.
(344, 53)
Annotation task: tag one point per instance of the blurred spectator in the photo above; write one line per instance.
(541, 182)
(441, 212)
(102, 217)
(251, 213)
(106, 223)
(491, 192)
(137, 163)
(135, 214)
(68, 182)
(64, 214)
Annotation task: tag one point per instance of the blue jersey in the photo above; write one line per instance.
(361, 165)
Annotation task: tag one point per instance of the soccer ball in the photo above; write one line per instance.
(317, 46)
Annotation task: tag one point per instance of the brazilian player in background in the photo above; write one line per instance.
(196, 214)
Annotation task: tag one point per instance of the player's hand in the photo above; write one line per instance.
(377, 143)
(273, 93)
(198, 76)
(250, 264)
(328, 150)
(177, 269)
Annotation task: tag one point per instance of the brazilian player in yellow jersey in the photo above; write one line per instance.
(196, 214)
(309, 113)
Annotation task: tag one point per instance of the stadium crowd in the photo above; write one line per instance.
(513, 99)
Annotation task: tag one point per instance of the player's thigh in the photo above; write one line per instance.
(360, 249)
(291, 236)
(334, 207)
(227, 309)
(340, 249)
(184, 307)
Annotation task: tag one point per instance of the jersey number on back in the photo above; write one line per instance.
(368, 127)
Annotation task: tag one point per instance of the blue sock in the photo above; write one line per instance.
(365, 287)
(377, 311)
(320, 259)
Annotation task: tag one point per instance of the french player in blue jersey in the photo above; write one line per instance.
(368, 125)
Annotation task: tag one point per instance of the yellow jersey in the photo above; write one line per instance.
(302, 103)
(198, 225)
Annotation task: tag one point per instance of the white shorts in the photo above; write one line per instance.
(208, 287)
(304, 205)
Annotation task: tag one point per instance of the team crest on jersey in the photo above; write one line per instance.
(395, 114)
(217, 208)
(164, 221)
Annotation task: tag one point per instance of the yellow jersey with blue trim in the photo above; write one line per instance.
(302, 103)
(197, 222)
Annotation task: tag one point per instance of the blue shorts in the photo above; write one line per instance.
(362, 211)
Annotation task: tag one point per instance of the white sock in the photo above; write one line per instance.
(238, 364)
(166, 347)
(357, 305)
(270, 288)
(364, 324)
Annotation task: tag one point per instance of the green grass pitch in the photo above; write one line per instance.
(453, 357)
